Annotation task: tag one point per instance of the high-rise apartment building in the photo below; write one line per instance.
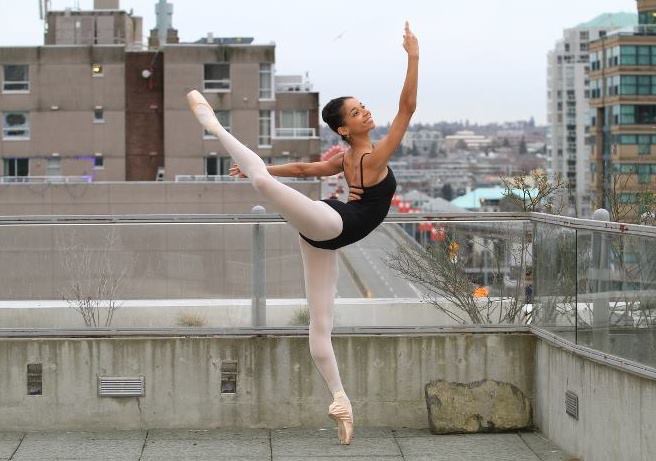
(568, 109)
(623, 112)
(93, 104)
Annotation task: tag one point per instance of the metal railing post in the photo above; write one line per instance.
(258, 263)
(600, 278)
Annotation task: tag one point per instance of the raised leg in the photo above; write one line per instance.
(313, 218)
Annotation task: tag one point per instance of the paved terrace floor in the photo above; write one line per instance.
(279, 444)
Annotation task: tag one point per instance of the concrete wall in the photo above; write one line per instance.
(617, 410)
(61, 77)
(277, 383)
(184, 144)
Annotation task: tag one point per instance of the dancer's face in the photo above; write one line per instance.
(357, 118)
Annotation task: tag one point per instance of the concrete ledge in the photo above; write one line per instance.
(383, 370)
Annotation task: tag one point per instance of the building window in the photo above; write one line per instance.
(16, 78)
(15, 125)
(223, 116)
(627, 197)
(212, 165)
(264, 138)
(647, 18)
(217, 77)
(266, 80)
(644, 174)
(294, 124)
(595, 63)
(637, 55)
(96, 70)
(98, 115)
(16, 167)
(98, 162)
(613, 55)
(54, 167)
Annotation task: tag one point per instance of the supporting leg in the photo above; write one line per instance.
(320, 270)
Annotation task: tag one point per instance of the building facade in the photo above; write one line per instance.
(568, 89)
(112, 112)
(623, 112)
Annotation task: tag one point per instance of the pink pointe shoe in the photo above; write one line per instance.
(342, 413)
(203, 111)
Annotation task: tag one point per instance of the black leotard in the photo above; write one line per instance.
(362, 216)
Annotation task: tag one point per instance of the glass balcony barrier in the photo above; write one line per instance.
(589, 283)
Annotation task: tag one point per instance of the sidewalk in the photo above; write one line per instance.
(294, 444)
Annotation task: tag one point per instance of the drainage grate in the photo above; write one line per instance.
(572, 404)
(116, 386)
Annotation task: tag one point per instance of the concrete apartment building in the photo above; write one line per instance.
(568, 109)
(93, 104)
(623, 116)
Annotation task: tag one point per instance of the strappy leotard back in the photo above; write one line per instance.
(361, 170)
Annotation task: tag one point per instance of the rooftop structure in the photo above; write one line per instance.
(198, 344)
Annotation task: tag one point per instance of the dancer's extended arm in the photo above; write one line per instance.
(407, 103)
(300, 169)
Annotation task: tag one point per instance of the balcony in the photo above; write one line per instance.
(46, 179)
(295, 133)
(209, 311)
(292, 84)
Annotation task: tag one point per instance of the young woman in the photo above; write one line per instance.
(326, 225)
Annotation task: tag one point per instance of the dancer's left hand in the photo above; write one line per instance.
(235, 171)
(410, 43)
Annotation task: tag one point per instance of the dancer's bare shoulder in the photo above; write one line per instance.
(324, 167)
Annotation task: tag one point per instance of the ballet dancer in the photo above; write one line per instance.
(326, 225)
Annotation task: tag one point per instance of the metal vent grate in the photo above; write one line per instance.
(229, 377)
(115, 386)
(34, 379)
(572, 404)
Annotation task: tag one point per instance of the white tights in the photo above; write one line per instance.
(314, 219)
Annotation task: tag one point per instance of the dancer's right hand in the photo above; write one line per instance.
(235, 171)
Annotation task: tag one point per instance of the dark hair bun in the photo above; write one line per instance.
(332, 113)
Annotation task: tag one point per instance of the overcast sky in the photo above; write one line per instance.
(482, 60)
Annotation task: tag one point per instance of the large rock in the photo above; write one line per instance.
(481, 406)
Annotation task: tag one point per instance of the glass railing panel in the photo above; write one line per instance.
(124, 275)
(428, 273)
(617, 294)
(554, 306)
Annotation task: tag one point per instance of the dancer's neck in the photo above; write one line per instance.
(361, 144)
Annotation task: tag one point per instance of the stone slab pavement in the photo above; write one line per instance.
(293, 444)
